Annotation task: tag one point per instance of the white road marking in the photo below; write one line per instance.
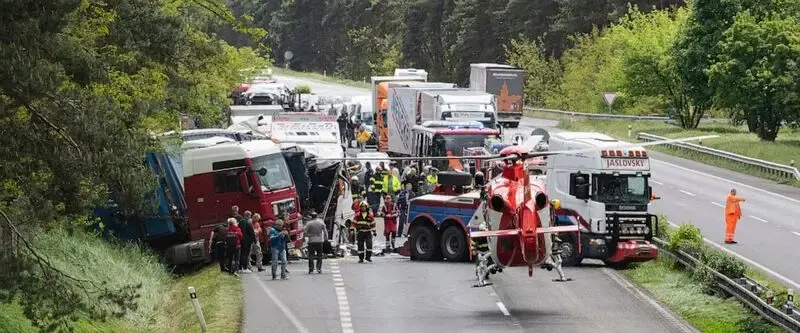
(668, 315)
(286, 312)
(718, 204)
(503, 308)
(687, 193)
(728, 180)
(796, 233)
(784, 279)
(341, 296)
(758, 218)
(655, 182)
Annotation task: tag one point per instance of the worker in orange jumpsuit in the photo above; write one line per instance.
(732, 215)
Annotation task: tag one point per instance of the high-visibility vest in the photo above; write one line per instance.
(432, 179)
(732, 206)
(363, 137)
(376, 186)
(391, 183)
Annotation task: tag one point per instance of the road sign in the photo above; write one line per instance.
(609, 97)
(288, 55)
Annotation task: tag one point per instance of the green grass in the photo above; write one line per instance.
(684, 296)
(221, 299)
(320, 77)
(164, 305)
(732, 139)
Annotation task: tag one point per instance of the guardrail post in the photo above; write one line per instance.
(789, 306)
(571, 117)
(630, 127)
(770, 297)
(197, 309)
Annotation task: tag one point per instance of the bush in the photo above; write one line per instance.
(662, 229)
(302, 89)
(12, 320)
(723, 263)
(754, 324)
(687, 238)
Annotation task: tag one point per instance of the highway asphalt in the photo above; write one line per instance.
(691, 192)
(393, 294)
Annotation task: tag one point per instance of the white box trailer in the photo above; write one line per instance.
(402, 116)
(507, 83)
(458, 105)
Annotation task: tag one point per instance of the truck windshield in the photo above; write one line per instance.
(621, 189)
(454, 145)
(277, 177)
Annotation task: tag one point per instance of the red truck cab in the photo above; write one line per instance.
(219, 173)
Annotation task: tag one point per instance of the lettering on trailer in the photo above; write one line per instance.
(304, 126)
(401, 121)
(304, 118)
(626, 163)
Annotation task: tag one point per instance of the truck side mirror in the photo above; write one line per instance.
(262, 171)
(581, 188)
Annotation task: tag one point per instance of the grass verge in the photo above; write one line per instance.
(731, 138)
(164, 304)
(320, 77)
(693, 295)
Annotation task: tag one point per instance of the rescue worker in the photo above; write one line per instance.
(432, 179)
(391, 182)
(375, 189)
(732, 215)
(356, 189)
(362, 137)
(389, 213)
(342, 121)
(402, 204)
(365, 229)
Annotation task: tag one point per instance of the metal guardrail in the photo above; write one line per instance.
(781, 170)
(609, 116)
(743, 289)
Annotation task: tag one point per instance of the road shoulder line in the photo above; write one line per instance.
(646, 297)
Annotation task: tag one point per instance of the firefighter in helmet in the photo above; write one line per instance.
(357, 190)
(365, 230)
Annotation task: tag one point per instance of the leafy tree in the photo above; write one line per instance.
(650, 62)
(85, 82)
(756, 72)
(543, 73)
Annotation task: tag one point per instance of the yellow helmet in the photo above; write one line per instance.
(556, 204)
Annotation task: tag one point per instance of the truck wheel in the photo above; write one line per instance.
(569, 252)
(454, 244)
(424, 244)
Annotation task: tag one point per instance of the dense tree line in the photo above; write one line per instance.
(84, 84)
(736, 57)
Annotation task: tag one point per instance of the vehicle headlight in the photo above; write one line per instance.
(292, 207)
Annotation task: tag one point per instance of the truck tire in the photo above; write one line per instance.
(569, 252)
(424, 244)
(454, 244)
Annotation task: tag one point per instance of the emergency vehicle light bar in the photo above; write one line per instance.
(620, 153)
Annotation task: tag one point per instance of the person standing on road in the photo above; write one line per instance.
(403, 200)
(365, 229)
(389, 213)
(233, 241)
(375, 189)
(248, 238)
(218, 246)
(255, 249)
(235, 213)
(317, 233)
(733, 212)
(342, 120)
(277, 244)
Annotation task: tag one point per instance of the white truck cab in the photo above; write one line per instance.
(606, 193)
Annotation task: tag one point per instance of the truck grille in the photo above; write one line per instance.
(284, 207)
(629, 227)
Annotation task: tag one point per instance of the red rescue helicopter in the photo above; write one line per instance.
(515, 216)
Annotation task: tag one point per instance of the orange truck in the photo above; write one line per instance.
(380, 103)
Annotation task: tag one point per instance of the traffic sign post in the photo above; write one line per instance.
(609, 98)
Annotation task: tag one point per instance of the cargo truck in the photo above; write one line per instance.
(380, 103)
(457, 105)
(402, 113)
(198, 182)
(507, 83)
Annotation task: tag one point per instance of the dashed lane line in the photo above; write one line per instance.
(341, 297)
(718, 204)
(655, 182)
(688, 193)
(758, 218)
(796, 233)
(286, 312)
(751, 262)
(503, 309)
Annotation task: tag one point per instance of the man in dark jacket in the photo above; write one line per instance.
(342, 120)
(248, 237)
